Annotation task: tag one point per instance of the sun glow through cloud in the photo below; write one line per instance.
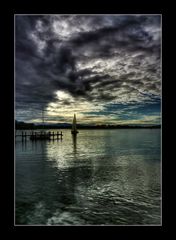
(106, 69)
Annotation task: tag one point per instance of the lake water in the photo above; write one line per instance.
(103, 177)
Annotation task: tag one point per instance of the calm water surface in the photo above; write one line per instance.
(101, 177)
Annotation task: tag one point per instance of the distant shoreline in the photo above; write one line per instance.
(87, 127)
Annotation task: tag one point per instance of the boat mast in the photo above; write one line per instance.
(43, 118)
(74, 123)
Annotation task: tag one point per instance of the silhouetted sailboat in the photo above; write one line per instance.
(74, 129)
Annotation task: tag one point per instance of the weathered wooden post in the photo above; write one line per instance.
(61, 135)
(22, 135)
(53, 135)
(32, 136)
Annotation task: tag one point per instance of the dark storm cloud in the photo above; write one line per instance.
(125, 32)
(59, 52)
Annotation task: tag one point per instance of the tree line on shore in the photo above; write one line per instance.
(32, 126)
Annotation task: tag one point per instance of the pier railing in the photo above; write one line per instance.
(40, 135)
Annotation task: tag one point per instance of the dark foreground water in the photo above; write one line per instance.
(103, 177)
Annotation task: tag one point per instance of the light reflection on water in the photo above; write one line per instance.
(106, 177)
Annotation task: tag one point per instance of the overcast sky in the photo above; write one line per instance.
(106, 68)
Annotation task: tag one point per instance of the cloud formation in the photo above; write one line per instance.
(83, 63)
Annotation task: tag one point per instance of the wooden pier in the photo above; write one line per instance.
(40, 135)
